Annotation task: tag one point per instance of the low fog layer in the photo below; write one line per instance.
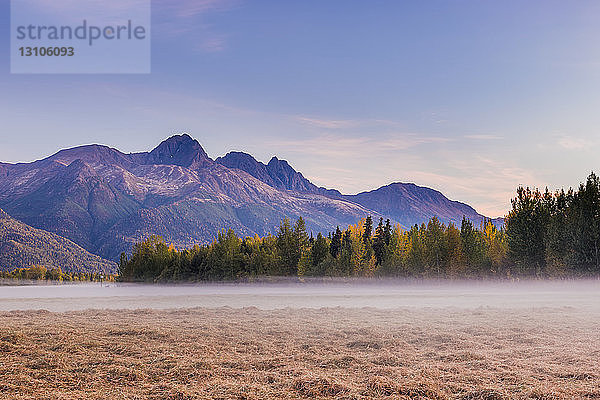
(582, 295)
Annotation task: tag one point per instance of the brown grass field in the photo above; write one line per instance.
(301, 353)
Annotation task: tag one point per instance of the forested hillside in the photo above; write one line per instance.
(22, 246)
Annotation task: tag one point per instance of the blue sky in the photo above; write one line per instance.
(472, 98)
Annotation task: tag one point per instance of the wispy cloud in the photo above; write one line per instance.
(574, 143)
(193, 8)
(490, 181)
(334, 123)
(329, 123)
(188, 17)
(483, 137)
(336, 145)
(213, 43)
(450, 165)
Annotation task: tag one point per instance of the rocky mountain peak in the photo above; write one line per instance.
(291, 179)
(239, 157)
(180, 150)
(246, 162)
(281, 164)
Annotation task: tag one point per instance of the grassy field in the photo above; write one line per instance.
(301, 353)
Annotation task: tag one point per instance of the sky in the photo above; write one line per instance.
(471, 98)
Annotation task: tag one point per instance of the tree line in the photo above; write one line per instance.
(545, 234)
(41, 273)
(361, 250)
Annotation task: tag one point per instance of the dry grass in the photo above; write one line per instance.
(224, 353)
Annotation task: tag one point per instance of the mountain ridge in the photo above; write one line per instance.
(276, 173)
(105, 200)
(406, 214)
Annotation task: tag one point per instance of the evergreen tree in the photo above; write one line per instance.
(559, 238)
(525, 228)
(288, 247)
(585, 225)
(388, 232)
(435, 246)
(471, 246)
(300, 234)
(415, 254)
(225, 257)
(318, 253)
(336, 243)
(366, 251)
(379, 243)
(368, 231)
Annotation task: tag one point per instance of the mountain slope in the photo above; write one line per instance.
(410, 204)
(23, 246)
(105, 200)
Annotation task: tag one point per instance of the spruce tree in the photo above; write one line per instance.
(585, 225)
(388, 232)
(525, 229)
(379, 243)
(287, 245)
(368, 231)
(336, 243)
(318, 253)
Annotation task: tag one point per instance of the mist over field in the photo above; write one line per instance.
(382, 294)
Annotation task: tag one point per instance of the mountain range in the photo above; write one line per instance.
(105, 200)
